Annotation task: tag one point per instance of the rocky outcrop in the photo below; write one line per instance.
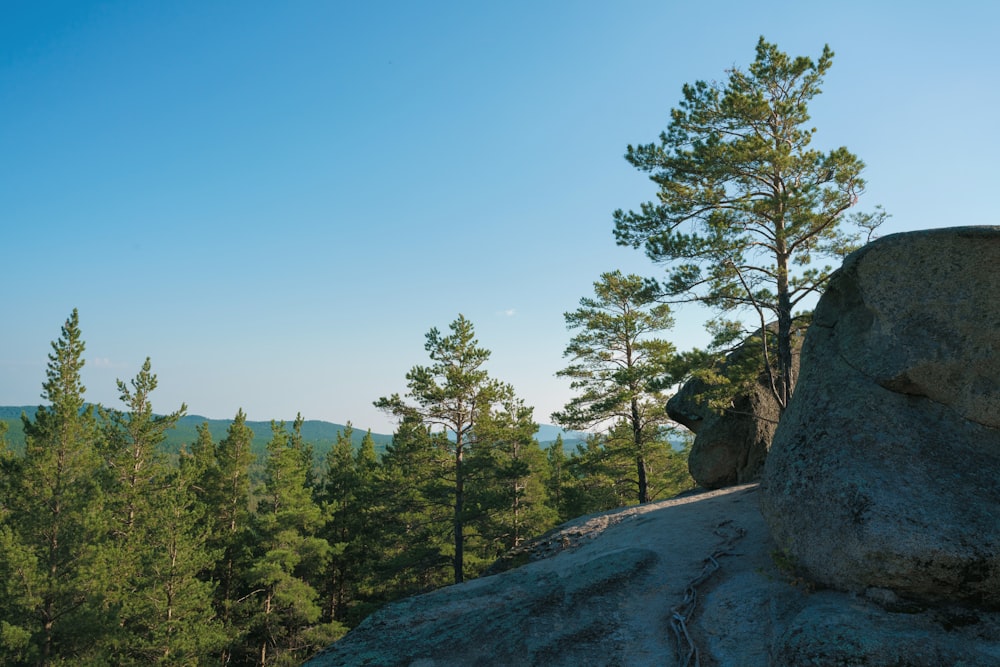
(730, 446)
(693, 580)
(599, 590)
(884, 474)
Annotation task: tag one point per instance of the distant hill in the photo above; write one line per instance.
(547, 434)
(322, 435)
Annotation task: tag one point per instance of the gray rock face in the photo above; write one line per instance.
(599, 591)
(731, 447)
(885, 471)
(831, 631)
(603, 590)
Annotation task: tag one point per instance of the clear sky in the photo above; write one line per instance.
(276, 201)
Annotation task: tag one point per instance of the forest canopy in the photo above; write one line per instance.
(115, 549)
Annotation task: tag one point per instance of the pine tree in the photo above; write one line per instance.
(353, 501)
(451, 395)
(290, 556)
(620, 368)
(169, 616)
(599, 474)
(744, 203)
(305, 449)
(158, 541)
(52, 599)
(600, 477)
(364, 549)
(557, 478)
(10, 470)
(199, 465)
(507, 481)
(15, 559)
(131, 449)
(221, 481)
(411, 515)
(337, 497)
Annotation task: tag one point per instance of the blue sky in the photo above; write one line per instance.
(276, 201)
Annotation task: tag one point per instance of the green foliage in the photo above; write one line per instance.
(114, 550)
(290, 555)
(508, 495)
(319, 434)
(453, 395)
(131, 450)
(744, 204)
(739, 362)
(55, 518)
(414, 513)
(618, 367)
(156, 543)
(599, 475)
(599, 478)
(338, 497)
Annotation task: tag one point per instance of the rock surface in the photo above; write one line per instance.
(599, 591)
(729, 448)
(885, 471)
(603, 590)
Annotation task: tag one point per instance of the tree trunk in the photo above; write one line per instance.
(784, 336)
(640, 460)
(459, 510)
(263, 643)
(49, 605)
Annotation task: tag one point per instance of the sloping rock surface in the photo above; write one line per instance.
(600, 592)
(610, 589)
(729, 447)
(885, 471)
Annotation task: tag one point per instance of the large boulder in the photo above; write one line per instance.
(730, 446)
(884, 474)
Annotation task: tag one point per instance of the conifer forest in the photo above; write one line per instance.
(115, 551)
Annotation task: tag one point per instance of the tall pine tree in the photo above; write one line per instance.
(620, 368)
(53, 600)
(412, 514)
(451, 395)
(507, 481)
(744, 203)
(157, 545)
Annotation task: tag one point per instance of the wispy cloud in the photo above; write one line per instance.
(510, 312)
(101, 362)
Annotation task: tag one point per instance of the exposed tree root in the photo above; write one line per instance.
(685, 646)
